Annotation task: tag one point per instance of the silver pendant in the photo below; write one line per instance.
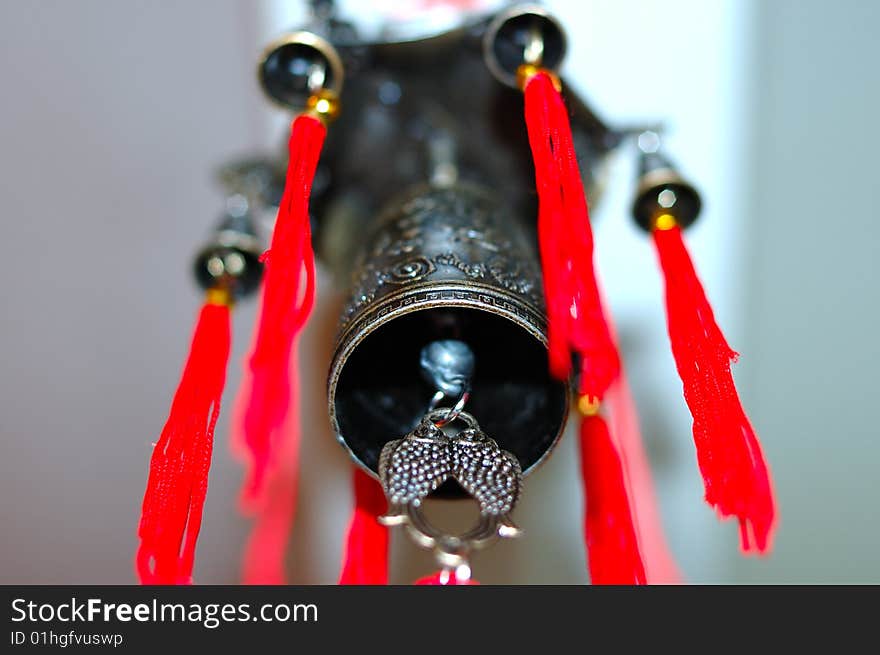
(410, 469)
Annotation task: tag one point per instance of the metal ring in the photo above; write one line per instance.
(443, 416)
(451, 550)
(453, 412)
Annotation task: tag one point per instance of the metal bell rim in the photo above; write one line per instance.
(495, 25)
(304, 37)
(341, 356)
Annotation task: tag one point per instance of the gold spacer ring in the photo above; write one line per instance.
(527, 71)
(219, 296)
(323, 105)
(665, 221)
(588, 405)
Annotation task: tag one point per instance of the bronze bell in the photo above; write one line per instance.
(445, 263)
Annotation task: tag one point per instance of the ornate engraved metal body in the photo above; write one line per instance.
(445, 263)
(454, 233)
(413, 467)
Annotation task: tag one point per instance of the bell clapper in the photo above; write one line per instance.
(448, 364)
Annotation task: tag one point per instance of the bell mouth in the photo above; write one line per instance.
(377, 394)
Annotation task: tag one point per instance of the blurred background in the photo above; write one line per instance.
(115, 116)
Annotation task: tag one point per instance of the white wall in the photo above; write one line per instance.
(813, 299)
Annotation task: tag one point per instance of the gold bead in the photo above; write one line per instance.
(588, 405)
(323, 105)
(219, 296)
(665, 222)
(527, 71)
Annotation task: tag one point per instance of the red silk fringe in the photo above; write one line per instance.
(576, 321)
(287, 299)
(612, 542)
(171, 514)
(265, 552)
(735, 475)
(365, 560)
(623, 426)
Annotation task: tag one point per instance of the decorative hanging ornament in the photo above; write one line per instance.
(473, 297)
(178, 480)
(735, 475)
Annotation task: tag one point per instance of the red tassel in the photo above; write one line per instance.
(612, 542)
(178, 481)
(576, 321)
(288, 296)
(446, 578)
(265, 552)
(735, 476)
(365, 561)
(626, 435)
(623, 424)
